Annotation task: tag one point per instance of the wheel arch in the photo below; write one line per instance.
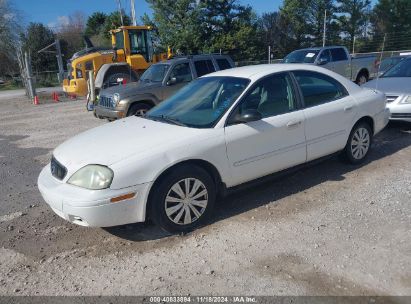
(207, 166)
(148, 100)
(368, 120)
(112, 68)
(361, 72)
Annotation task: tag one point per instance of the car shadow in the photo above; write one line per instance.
(395, 137)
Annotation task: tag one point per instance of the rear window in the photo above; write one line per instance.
(223, 64)
(338, 54)
(204, 67)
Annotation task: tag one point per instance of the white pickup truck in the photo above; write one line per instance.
(337, 59)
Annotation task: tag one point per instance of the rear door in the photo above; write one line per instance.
(329, 113)
(341, 62)
(271, 144)
(204, 66)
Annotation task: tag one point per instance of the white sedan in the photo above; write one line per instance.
(220, 131)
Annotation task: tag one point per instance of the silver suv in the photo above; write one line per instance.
(159, 81)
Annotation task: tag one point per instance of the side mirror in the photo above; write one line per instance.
(248, 116)
(172, 81)
(322, 61)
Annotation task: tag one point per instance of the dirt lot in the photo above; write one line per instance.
(330, 229)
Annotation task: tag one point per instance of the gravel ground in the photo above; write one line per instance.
(329, 229)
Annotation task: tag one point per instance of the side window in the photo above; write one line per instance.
(204, 67)
(318, 88)
(338, 54)
(120, 40)
(326, 55)
(223, 64)
(271, 96)
(182, 72)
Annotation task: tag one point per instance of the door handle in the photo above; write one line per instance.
(348, 108)
(292, 124)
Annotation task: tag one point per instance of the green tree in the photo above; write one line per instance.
(113, 21)
(354, 17)
(95, 24)
(316, 13)
(178, 24)
(392, 17)
(295, 15)
(36, 37)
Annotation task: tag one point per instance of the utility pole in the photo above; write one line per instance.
(59, 61)
(32, 89)
(353, 45)
(133, 12)
(325, 27)
(269, 54)
(120, 11)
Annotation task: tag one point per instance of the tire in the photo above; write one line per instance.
(361, 78)
(172, 209)
(359, 144)
(138, 109)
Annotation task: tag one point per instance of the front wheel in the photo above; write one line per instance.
(359, 143)
(138, 109)
(183, 200)
(361, 79)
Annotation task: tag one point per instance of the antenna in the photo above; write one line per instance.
(133, 12)
(325, 27)
(378, 71)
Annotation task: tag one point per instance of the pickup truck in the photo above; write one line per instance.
(159, 81)
(336, 59)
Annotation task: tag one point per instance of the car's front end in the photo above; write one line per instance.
(399, 105)
(110, 106)
(87, 205)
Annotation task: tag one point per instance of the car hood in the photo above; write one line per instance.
(130, 89)
(397, 85)
(116, 141)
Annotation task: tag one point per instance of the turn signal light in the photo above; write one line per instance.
(122, 197)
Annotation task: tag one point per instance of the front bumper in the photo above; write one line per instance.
(381, 120)
(110, 113)
(93, 208)
(400, 111)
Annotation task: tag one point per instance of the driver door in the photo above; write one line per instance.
(177, 78)
(273, 143)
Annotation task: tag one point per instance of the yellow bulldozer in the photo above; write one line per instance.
(132, 54)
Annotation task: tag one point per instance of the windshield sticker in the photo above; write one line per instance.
(310, 55)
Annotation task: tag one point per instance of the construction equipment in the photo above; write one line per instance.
(131, 55)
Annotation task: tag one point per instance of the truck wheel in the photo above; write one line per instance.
(118, 78)
(361, 78)
(138, 109)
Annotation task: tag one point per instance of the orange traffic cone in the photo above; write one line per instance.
(57, 97)
(36, 100)
(124, 81)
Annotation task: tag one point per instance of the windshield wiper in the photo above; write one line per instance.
(168, 119)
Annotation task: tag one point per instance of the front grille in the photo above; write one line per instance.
(401, 115)
(57, 169)
(391, 98)
(105, 101)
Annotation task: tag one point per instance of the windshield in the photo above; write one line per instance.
(401, 69)
(155, 73)
(302, 56)
(201, 103)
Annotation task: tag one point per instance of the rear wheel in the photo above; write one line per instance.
(138, 109)
(359, 143)
(183, 200)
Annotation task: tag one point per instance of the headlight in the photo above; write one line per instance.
(93, 177)
(116, 99)
(407, 99)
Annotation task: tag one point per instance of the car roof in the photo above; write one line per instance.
(318, 48)
(187, 57)
(255, 72)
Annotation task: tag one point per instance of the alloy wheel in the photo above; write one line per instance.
(360, 143)
(186, 201)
